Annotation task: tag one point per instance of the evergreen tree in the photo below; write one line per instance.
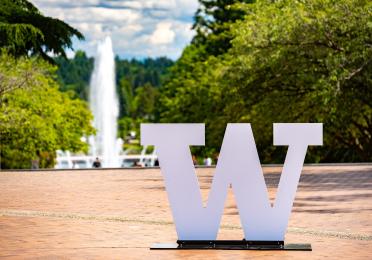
(24, 30)
(212, 21)
(74, 74)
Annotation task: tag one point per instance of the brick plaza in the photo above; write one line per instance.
(118, 214)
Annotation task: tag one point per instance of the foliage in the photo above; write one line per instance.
(144, 102)
(37, 119)
(74, 74)
(16, 75)
(290, 61)
(140, 72)
(24, 30)
(137, 81)
(134, 74)
(139, 105)
(192, 92)
(308, 61)
(212, 21)
(195, 96)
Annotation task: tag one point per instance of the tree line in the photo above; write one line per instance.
(137, 81)
(260, 62)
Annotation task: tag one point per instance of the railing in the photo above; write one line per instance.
(86, 161)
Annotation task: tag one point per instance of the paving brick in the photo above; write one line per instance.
(118, 214)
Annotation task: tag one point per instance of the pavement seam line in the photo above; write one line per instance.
(77, 216)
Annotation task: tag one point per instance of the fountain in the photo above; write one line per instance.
(105, 107)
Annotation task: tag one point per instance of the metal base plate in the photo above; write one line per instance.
(231, 245)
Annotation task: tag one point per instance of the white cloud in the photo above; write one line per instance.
(138, 28)
(163, 34)
(93, 14)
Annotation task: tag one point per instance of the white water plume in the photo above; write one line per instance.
(105, 106)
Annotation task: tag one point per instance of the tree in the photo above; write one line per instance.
(194, 95)
(24, 30)
(212, 24)
(126, 98)
(36, 120)
(307, 61)
(191, 92)
(290, 61)
(74, 74)
(16, 75)
(139, 106)
(144, 102)
(137, 84)
(138, 73)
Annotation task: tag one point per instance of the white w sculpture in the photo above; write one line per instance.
(238, 165)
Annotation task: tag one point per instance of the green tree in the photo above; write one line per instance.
(17, 75)
(196, 96)
(24, 30)
(138, 73)
(290, 61)
(144, 102)
(37, 119)
(139, 105)
(191, 92)
(137, 84)
(212, 24)
(307, 61)
(74, 74)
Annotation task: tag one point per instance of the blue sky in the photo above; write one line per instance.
(139, 28)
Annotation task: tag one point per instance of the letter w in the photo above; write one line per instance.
(238, 165)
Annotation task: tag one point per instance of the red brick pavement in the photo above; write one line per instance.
(118, 214)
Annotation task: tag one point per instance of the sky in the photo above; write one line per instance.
(138, 28)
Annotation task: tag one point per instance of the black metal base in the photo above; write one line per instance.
(231, 245)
